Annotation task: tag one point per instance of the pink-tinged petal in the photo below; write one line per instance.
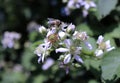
(100, 39)
(107, 43)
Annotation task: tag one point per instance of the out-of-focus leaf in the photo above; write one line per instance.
(116, 32)
(92, 81)
(27, 13)
(84, 27)
(111, 65)
(13, 77)
(105, 7)
(33, 36)
(39, 79)
(92, 63)
(27, 57)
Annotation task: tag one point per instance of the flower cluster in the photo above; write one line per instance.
(67, 42)
(9, 39)
(76, 4)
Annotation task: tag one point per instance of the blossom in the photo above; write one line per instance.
(9, 39)
(42, 50)
(80, 35)
(87, 4)
(70, 49)
(103, 46)
(75, 4)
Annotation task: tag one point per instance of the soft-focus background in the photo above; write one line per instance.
(21, 18)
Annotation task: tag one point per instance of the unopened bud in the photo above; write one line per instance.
(70, 28)
(42, 30)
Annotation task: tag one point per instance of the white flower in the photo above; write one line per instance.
(9, 39)
(100, 39)
(70, 50)
(48, 63)
(88, 4)
(80, 35)
(6, 42)
(103, 46)
(42, 50)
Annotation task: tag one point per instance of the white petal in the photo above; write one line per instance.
(43, 56)
(92, 4)
(67, 59)
(49, 62)
(62, 50)
(86, 6)
(85, 13)
(98, 52)
(75, 33)
(100, 39)
(78, 58)
(70, 4)
(51, 32)
(78, 50)
(109, 49)
(39, 59)
(70, 28)
(68, 42)
(107, 43)
(61, 34)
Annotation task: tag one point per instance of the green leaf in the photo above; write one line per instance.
(13, 77)
(105, 7)
(116, 32)
(27, 57)
(92, 63)
(111, 65)
(39, 79)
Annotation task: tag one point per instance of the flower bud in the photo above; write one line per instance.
(70, 28)
(42, 30)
